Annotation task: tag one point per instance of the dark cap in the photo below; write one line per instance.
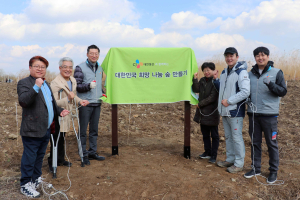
(230, 50)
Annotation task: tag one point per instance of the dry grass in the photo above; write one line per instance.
(289, 63)
(24, 73)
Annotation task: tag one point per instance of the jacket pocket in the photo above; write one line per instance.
(231, 107)
(30, 124)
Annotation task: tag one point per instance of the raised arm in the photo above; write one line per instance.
(279, 87)
(26, 93)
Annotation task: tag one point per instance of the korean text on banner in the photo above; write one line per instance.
(149, 75)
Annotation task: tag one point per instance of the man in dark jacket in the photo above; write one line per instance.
(39, 111)
(267, 86)
(207, 111)
(88, 76)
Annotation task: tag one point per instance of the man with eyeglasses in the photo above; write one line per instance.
(39, 110)
(89, 76)
(64, 92)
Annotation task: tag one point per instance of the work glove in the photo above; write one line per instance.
(266, 80)
(93, 84)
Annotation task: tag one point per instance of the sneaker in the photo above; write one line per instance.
(234, 169)
(39, 182)
(212, 159)
(224, 164)
(251, 173)
(272, 178)
(86, 160)
(95, 156)
(204, 156)
(36, 184)
(29, 190)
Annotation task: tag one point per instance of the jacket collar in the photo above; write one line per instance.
(238, 65)
(209, 78)
(63, 81)
(255, 69)
(89, 64)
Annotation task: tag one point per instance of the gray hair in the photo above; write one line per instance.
(65, 59)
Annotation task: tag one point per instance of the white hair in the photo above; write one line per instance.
(65, 59)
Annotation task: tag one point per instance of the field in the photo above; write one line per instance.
(150, 164)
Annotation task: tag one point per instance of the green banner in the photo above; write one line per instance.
(149, 75)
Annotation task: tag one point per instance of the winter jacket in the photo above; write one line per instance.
(60, 84)
(266, 97)
(208, 102)
(235, 87)
(84, 75)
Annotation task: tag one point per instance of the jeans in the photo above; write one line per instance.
(235, 146)
(89, 115)
(32, 158)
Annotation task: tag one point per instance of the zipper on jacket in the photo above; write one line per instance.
(256, 93)
(224, 91)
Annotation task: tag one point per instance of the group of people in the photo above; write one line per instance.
(261, 89)
(43, 104)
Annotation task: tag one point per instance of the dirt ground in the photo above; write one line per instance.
(150, 164)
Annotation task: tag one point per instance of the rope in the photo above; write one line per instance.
(281, 182)
(208, 114)
(49, 185)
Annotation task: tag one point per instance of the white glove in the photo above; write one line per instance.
(93, 84)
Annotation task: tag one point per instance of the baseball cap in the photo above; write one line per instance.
(230, 50)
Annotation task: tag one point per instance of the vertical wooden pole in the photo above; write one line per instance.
(187, 129)
(114, 128)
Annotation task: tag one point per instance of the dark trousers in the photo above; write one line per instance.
(268, 125)
(89, 115)
(32, 158)
(60, 148)
(210, 146)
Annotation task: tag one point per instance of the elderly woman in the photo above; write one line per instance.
(64, 90)
(39, 110)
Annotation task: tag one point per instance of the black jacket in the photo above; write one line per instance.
(208, 102)
(34, 109)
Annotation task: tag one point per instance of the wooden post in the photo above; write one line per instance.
(187, 130)
(114, 128)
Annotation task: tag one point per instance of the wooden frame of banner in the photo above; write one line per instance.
(187, 129)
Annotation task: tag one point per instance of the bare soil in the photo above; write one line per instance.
(150, 164)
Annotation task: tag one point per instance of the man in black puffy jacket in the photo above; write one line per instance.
(207, 111)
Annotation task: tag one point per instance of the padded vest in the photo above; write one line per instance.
(265, 101)
(88, 76)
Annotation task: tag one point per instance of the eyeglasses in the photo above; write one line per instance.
(39, 67)
(67, 67)
(94, 54)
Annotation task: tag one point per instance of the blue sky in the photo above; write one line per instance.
(58, 28)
